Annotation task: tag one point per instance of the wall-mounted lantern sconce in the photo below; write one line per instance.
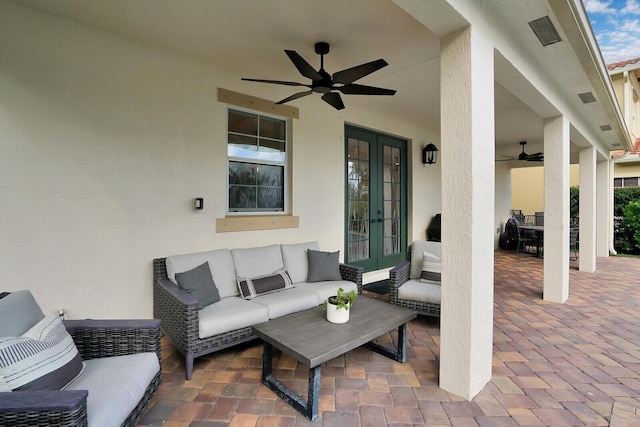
(429, 154)
(198, 203)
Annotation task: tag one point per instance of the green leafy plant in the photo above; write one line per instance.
(632, 223)
(342, 299)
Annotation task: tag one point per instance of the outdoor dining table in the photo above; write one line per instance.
(539, 230)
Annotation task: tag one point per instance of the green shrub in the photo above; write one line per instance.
(632, 224)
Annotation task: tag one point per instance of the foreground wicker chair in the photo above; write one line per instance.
(398, 276)
(94, 339)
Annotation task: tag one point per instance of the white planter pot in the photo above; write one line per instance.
(336, 315)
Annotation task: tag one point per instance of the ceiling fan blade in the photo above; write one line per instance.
(295, 96)
(277, 82)
(350, 75)
(535, 157)
(303, 66)
(355, 89)
(333, 99)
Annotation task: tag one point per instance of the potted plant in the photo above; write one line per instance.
(337, 306)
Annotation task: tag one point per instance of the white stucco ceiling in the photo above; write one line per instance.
(249, 37)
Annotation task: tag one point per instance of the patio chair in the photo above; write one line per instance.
(407, 289)
(573, 243)
(524, 239)
(109, 390)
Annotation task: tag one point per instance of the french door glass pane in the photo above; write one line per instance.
(391, 190)
(358, 174)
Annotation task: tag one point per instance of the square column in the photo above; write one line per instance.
(588, 210)
(468, 180)
(556, 209)
(604, 209)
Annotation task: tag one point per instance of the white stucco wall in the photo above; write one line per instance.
(106, 141)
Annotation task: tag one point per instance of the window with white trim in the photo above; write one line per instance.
(625, 182)
(257, 163)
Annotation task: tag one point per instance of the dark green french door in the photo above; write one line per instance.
(376, 199)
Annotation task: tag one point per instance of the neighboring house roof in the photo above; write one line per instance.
(623, 64)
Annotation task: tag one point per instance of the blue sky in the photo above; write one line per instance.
(616, 24)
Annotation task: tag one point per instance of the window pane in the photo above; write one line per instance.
(271, 150)
(242, 173)
(631, 182)
(270, 198)
(242, 146)
(617, 182)
(241, 197)
(272, 128)
(241, 122)
(271, 176)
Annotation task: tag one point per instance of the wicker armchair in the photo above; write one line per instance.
(400, 275)
(94, 339)
(179, 314)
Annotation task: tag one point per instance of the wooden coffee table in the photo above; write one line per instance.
(308, 337)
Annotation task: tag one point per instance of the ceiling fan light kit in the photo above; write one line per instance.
(326, 84)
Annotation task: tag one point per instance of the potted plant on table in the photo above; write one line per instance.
(337, 306)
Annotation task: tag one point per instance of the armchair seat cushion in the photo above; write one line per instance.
(120, 380)
(230, 314)
(416, 290)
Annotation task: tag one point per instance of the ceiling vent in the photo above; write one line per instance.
(616, 144)
(587, 97)
(605, 128)
(545, 31)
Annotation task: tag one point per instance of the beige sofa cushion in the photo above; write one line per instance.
(295, 260)
(220, 264)
(256, 262)
(230, 314)
(417, 249)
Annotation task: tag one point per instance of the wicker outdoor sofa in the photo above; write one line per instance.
(199, 331)
(406, 289)
(115, 380)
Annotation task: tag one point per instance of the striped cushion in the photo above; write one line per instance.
(44, 358)
(431, 268)
(277, 281)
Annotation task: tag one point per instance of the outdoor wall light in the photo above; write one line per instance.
(429, 154)
(198, 203)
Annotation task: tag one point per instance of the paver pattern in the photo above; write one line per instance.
(571, 364)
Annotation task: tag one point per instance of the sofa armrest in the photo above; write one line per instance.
(352, 273)
(397, 276)
(44, 408)
(105, 338)
(179, 314)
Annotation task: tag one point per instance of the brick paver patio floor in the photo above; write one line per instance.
(572, 364)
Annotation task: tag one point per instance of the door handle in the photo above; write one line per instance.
(373, 220)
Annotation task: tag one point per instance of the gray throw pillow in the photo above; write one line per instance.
(19, 311)
(199, 283)
(323, 266)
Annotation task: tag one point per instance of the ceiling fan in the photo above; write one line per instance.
(328, 85)
(535, 157)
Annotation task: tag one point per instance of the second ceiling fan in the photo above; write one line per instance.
(535, 157)
(330, 85)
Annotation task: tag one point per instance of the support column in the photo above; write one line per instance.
(588, 210)
(467, 130)
(556, 209)
(604, 226)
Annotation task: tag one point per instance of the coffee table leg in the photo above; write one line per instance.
(400, 354)
(308, 408)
